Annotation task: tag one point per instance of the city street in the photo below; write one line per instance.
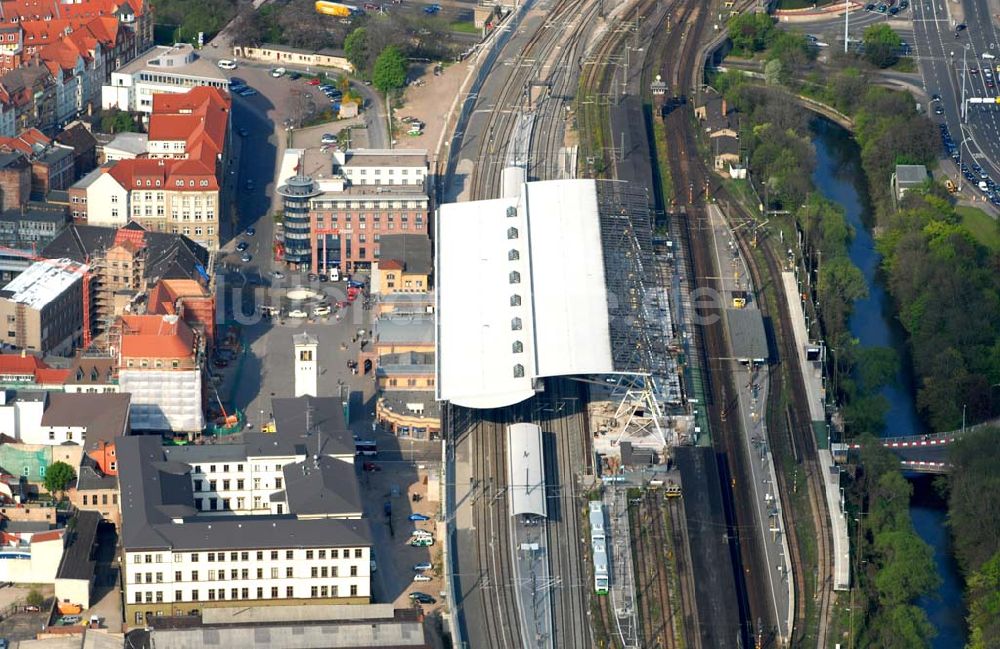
(946, 63)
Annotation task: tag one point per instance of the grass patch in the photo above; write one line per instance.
(464, 27)
(905, 64)
(982, 226)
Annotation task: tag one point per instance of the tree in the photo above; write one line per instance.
(390, 70)
(118, 121)
(35, 598)
(984, 605)
(356, 50)
(877, 367)
(751, 32)
(58, 477)
(881, 45)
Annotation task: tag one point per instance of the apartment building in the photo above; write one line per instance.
(42, 308)
(159, 363)
(273, 521)
(176, 187)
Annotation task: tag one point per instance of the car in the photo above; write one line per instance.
(961, 27)
(312, 277)
(420, 567)
(421, 542)
(242, 245)
(321, 311)
(249, 184)
(226, 64)
(294, 76)
(935, 97)
(297, 313)
(370, 466)
(973, 69)
(220, 363)
(31, 608)
(423, 598)
(419, 517)
(421, 577)
(938, 110)
(70, 619)
(313, 82)
(326, 86)
(328, 138)
(278, 72)
(246, 258)
(989, 83)
(250, 232)
(277, 274)
(243, 132)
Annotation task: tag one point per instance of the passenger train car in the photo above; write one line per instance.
(599, 545)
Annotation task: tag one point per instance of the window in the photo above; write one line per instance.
(515, 324)
(309, 554)
(322, 554)
(314, 591)
(334, 553)
(277, 485)
(244, 556)
(289, 572)
(511, 233)
(511, 212)
(517, 347)
(515, 300)
(357, 553)
(354, 590)
(515, 277)
(194, 595)
(513, 254)
(274, 573)
(177, 575)
(354, 571)
(178, 595)
(334, 571)
(274, 555)
(325, 572)
(274, 592)
(289, 554)
(518, 371)
(194, 575)
(197, 485)
(314, 572)
(260, 555)
(260, 573)
(211, 575)
(289, 591)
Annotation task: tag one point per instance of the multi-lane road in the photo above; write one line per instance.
(949, 62)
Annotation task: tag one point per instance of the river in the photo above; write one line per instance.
(839, 177)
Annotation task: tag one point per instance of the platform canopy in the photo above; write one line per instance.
(521, 293)
(525, 471)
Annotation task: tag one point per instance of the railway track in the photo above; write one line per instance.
(788, 423)
(656, 601)
(564, 24)
(684, 584)
(561, 403)
(690, 177)
(497, 583)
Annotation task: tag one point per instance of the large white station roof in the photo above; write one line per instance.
(521, 293)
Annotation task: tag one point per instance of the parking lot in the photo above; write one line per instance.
(18, 624)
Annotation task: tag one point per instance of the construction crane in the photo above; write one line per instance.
(86, 274)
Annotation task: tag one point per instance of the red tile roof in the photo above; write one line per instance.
(51, 535)
(137, 238)
(156, 336)
(18, 364)
(200, 118)
(51, 376)
(390, 264)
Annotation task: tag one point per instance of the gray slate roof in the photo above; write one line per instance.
(322, 485)
(405, 363)
(412, 250)
(78, 557)
(104, 415)
(746, 332)
(401, 330)
(170, 256)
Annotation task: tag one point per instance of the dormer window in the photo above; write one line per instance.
(518, 371)
(511, 233)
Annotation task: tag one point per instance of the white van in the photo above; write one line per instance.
(226, 64)
(421, 534)
(277, 72)
(987, 56)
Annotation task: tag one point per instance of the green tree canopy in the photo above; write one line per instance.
(34, 598)
(984, 605)
(751, 32)
(58, 477)
(356, 50)
(881, 45)
(390, 70)
(118, 121)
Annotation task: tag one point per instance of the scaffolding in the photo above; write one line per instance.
(638, 312)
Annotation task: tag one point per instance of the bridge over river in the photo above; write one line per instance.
(920, 453)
